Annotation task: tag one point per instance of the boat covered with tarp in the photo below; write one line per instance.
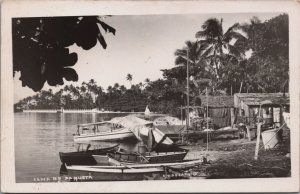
(146, 132)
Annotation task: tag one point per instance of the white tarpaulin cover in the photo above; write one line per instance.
(141, 127)
(167, 120)
(130, 121)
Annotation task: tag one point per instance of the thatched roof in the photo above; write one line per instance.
(217, 101)
(256, 99)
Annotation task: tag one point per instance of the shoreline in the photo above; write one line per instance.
(78, 111)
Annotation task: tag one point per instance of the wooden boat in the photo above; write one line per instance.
(102, 131)
(174, 165)
(85, 157)
(147, 157)
(156, 157)
(145, 132)
(114, 173)
(128, 172)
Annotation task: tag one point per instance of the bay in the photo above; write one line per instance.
(39, 137)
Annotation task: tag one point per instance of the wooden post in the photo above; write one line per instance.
(207, 122)
(272, 114)
(232, 116)
(241, 87)
(248, 132)
(257, 141)
(248, 116)
(281, 120)
(181, 115)
(188, 91)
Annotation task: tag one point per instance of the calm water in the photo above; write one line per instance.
(40, 136)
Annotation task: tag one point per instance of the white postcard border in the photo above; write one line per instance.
(13, 8)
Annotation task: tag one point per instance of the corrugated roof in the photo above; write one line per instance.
(255, 99)
(217, 101)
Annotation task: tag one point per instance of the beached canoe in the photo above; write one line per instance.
(128, 172)
(148, 157)
(114, 174)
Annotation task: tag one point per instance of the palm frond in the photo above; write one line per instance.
(189, 44)
(235, 26)
(201, 34)
(233, 35)
(236, 52)
(212, 27)
(180, 60)
(208, 52)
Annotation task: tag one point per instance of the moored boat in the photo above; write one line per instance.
(156, 157)
(124, 172)
(147, 157)
(114, 173)
(85, 157)
(102, 131)
(145, 132)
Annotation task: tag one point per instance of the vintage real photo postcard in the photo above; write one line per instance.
(150, 96)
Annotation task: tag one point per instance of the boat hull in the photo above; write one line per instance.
(124, 172)
(166, 157)
(85, 157)
(77, 159)
(151, 157)
(117, 174)
(105, 136)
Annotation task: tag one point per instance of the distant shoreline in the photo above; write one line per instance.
(77, 111)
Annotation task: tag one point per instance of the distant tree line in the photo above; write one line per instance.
(249, 57)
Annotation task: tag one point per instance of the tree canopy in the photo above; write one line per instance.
(217, 61)
(40, 47)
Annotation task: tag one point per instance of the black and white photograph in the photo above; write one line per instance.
(150, 98)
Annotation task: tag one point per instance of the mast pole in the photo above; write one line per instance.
(188, 91)
(206, 121)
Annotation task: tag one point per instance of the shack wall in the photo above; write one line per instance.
(221, 117)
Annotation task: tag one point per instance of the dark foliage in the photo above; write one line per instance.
(268, 68)
(40, 47)
(222, 73)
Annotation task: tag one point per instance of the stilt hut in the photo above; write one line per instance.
(248, 104)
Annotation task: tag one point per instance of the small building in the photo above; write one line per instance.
(248, 105)
(220, 109)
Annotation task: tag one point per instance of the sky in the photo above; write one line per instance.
(142, 46)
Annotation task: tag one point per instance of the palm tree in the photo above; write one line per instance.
(122, 89)
(147, 80)
(83, 88)
(74, 91)
(99, 90)
(129, 78)
(219, 47)
(140, 85)
(110, 90)
(116, 86)
(116, 89)
(190, 53)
